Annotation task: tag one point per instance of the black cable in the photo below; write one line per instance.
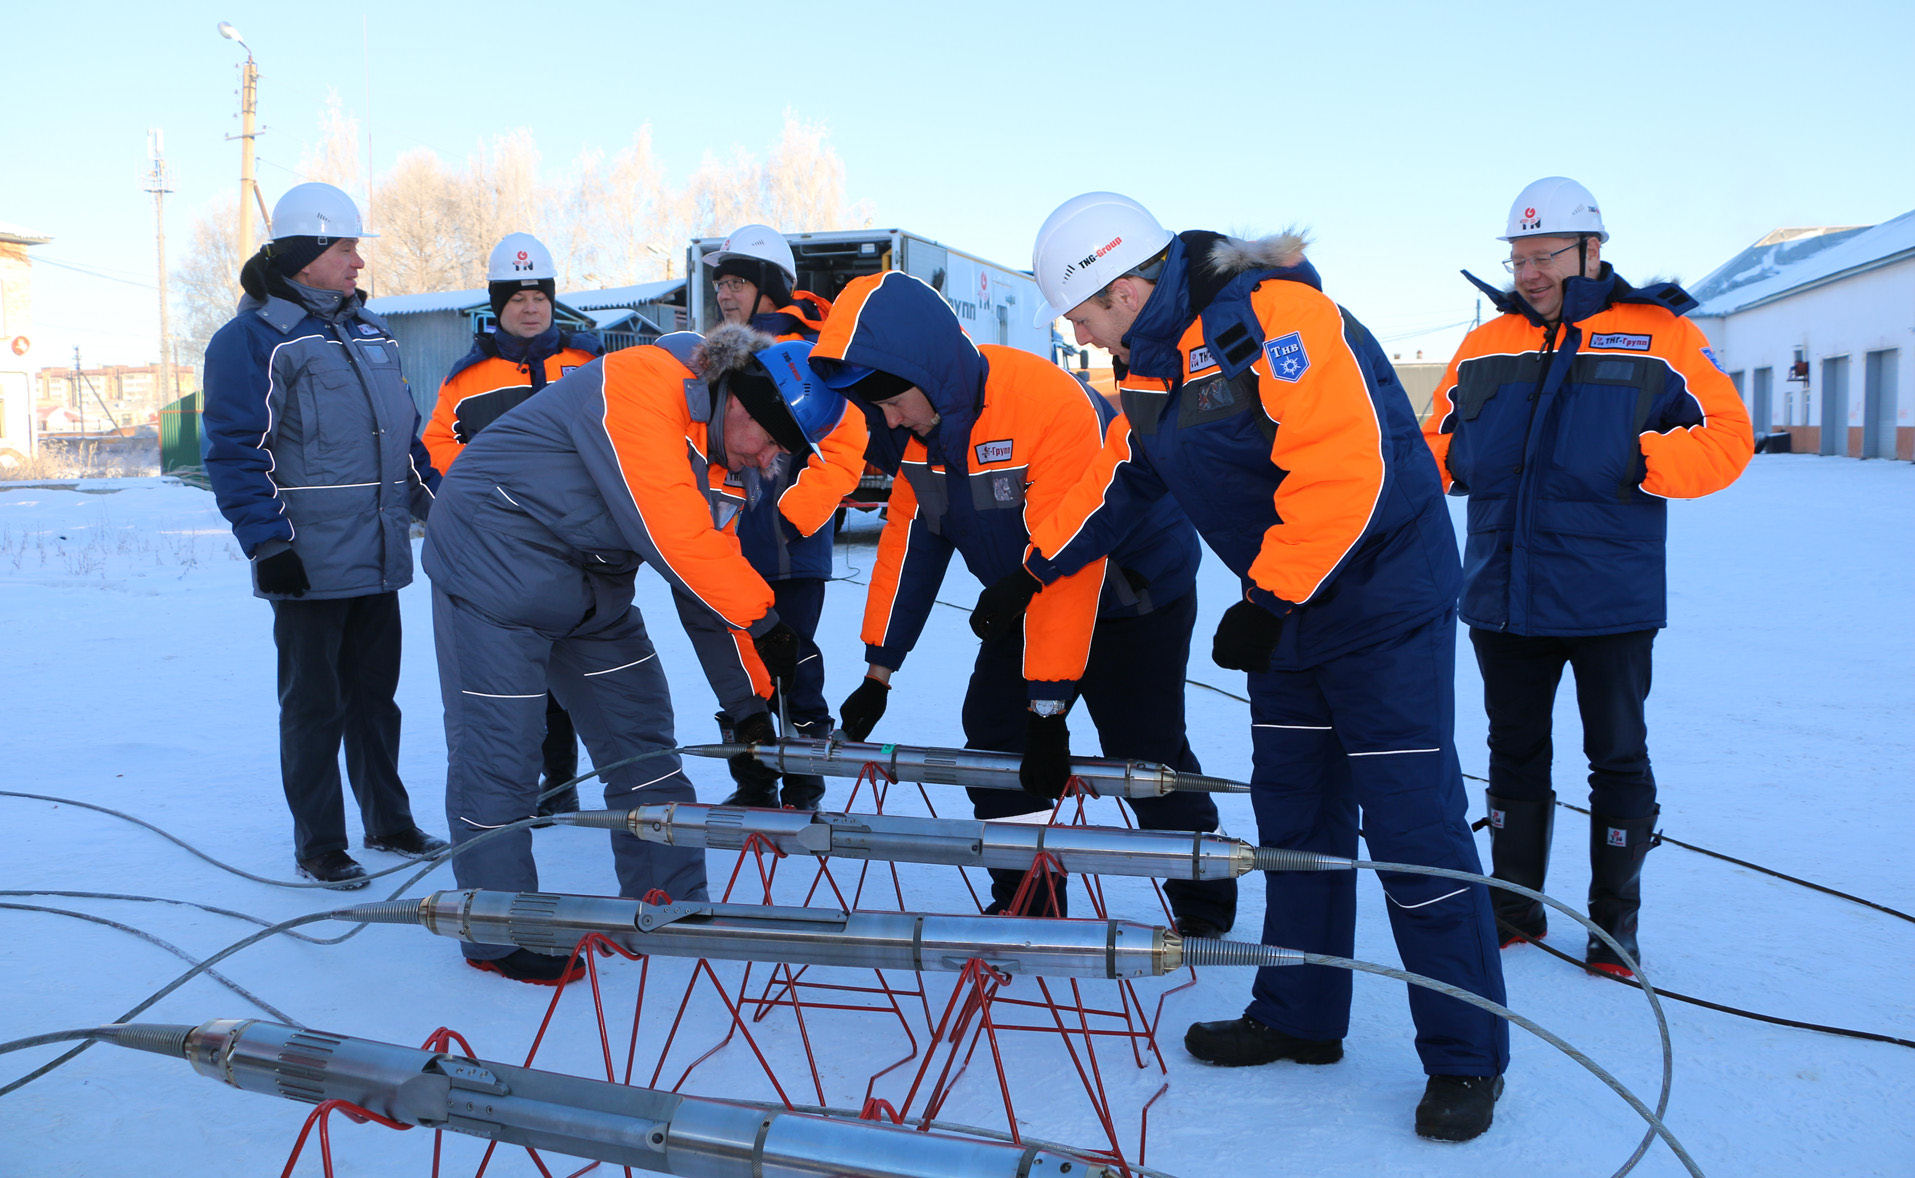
(1873, 1037)
(1671, 994)
(1751, 866)
(1770, 871)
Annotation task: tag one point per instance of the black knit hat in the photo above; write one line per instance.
(769, 279)
(501, 292)
(878, 386)
(290, 255)
(761, 400)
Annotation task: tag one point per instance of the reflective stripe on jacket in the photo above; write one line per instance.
(489, 381)
(549, 512)
(309, 439)
(1568, 441)
(1276, 421)
(784, 534)
(1016, 433)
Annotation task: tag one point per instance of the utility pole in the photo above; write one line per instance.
(1479, 316)
(365, 50)
(79, 399)
(158, 181)
(248, 131)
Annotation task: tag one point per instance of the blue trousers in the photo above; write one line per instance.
(1372, 732)
(1133, 688)
(493, 678)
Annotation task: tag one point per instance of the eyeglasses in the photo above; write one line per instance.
(1517, 265)
(731, 285)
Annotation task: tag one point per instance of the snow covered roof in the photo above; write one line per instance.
(1791, 260)
(623, 296)
(435, 300)
(611, 317)
(15, 235)
(466, 300)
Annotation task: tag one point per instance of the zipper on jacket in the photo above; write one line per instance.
(1525, 461)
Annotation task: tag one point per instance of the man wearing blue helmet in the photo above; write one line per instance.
(644, 456)
(785, 531)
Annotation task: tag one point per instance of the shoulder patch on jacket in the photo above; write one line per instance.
(994, 451)
(1288, 360)
(1709, 354)
(1621, 340)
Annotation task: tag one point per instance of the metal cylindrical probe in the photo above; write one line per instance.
(642, 1128)
(550, 923)
(977, 768)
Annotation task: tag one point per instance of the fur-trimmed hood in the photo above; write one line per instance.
(728, 348)
(1210, 276)
(1230, 256)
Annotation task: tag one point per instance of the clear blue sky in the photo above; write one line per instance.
(1396, 133)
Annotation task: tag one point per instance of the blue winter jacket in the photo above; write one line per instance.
(1569, 439)
(309, 436)
(1276, 421)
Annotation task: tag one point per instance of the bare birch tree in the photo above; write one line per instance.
(205, 289)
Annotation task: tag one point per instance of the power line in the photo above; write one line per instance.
(91, 273)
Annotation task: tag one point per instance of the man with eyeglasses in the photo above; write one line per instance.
(1569, 421)
(786, 531)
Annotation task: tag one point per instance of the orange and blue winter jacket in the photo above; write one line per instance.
(1016, 433)
(1275, 420)
(801, 319)
(784, 534)
(1569, 439)
(550, 511)
(499, 372)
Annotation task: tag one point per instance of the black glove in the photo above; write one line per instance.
(1245, 637)
(862, 709)
(746, 769)
(778, 647)
(1046, 768)
(282, 573)
(754, 729)
(1002, 604)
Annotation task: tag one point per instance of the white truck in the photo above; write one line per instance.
(993, 303)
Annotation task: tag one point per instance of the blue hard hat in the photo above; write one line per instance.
(813, 403)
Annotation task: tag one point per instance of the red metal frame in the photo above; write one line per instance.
(971, 1016)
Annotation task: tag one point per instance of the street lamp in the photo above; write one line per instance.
(248, 111)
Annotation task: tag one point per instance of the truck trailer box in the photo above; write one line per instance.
(993, 303)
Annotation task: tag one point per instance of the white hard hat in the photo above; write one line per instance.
(761, 242)
(1090, 240)
(520, 257)
(1554, 206)
(317, 210)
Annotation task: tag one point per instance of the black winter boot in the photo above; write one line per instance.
(1244, 1042)
(1519, 835)
(1457, 1108)
(1616, 850)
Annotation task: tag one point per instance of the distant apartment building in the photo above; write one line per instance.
(129, 393)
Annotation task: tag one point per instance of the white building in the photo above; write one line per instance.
(1816, 327)
(17, 435)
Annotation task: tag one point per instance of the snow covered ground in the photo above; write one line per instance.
(138, 674)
